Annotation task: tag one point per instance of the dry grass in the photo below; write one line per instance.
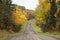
(4, 34)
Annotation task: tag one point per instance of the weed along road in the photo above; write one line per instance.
(30, 34)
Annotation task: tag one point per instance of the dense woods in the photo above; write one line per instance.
(5, 13)
(47, 13)
(17, 19)
(11, 16)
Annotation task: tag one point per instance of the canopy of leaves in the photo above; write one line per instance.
(18, 16)
(42, 10)
(46, 13)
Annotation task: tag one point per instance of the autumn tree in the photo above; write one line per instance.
(29, 14)
(18, 17)
(57, 15)
(50, 20)
(44, 13)
(11, 16)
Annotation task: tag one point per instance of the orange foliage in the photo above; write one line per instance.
(18, 16)
(30, 11)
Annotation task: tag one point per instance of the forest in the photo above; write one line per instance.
(46, 14)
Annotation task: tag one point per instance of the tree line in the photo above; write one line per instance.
(47, 14)
(11, 16)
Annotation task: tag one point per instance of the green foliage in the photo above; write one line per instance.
(21, 7)
(36, 28)
(5, 12)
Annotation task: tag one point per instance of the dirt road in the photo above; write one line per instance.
(30, 34)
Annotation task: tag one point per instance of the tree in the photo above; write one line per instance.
(57, 15)
(45, 12)
(51, 20)
(5, 12)
(8, 13)
(18, 18)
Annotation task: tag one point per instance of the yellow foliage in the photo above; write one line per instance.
(18, 16)
(42, 9)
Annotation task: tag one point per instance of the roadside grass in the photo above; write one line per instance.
(22, 28)
(4, 34)
(38, 30)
